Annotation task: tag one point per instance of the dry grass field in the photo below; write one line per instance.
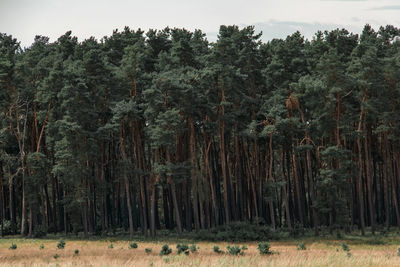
(99, 253)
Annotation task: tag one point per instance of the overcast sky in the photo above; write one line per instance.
(275, 18)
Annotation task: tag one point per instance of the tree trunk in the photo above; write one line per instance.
(194, 175)
(23, 208)
(174, 200)
(209, 173)
(153, 212)
(271, 177)
(285, 192)
(385, 180)
(360, 175)
(369, 179)
(126, 180)
(298, 189)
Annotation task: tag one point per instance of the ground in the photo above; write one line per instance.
(319, 252)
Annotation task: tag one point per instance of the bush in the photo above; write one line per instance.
(133, 245)
(263, 248)
(345, 247)
(76, 252)
(61, 244)
(236, 250)
(56, 256)
(398, 252)
(13, 246)
(301, 246)
(41, 246)
(182, 248)
(165, 250)
(217, 250)
(147, 250)
(111, 245)
(193, 248)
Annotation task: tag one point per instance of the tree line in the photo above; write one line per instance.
(165, 130)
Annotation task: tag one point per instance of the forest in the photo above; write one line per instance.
(148, 131)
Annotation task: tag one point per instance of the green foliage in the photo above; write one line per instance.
(111, 245)
(301, 246)
(56, 256)
(217, 250)
(264, 248)
(13, 246)
(61, 244)
(182, 248)
(236, 232)
(398, 252)
(133, 245)
(165, 250)
(193, 248)
(345, 247)
(375, 241)
(79, 116)
(76, 252)
(148, 250)
(41, 246)
(333, 184)
(236, 250)
(7, 228)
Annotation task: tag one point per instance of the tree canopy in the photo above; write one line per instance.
(166, 130)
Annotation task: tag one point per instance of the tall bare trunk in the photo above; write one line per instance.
(360, 175)
(271, 177)
(126, 180)
(285, 192)
(174, 200)
(194, 174)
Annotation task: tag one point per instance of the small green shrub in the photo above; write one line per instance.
(165, 250)
(133, 245)
(398, 252)
(264, 248)
(41, 246)
(56, 256)
(182, 248)
(236, 250)
(111, 245)
(301, 246)
(217, 250)
(61, 244)
(345, 247)
(193, 248)
(76, 252)
(13, 246)
(147, 250)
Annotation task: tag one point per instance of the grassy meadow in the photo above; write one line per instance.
(363, 251)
